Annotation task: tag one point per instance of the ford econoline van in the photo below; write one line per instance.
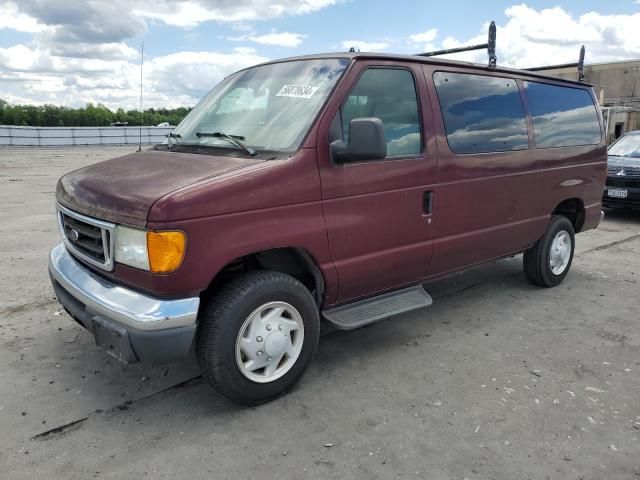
(323, 188)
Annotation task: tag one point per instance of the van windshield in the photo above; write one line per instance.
(269, 107)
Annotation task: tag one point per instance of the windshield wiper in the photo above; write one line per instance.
(235, 139)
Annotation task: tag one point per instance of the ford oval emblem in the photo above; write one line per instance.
(73, 235)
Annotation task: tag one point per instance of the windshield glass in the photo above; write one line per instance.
(269, 107)
(627, 146)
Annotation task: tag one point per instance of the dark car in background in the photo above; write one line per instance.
(622, 188)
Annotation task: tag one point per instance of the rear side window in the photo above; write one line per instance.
(562, 116)
(481, 114)
(390, 95)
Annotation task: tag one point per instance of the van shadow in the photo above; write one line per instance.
(340, 348)
(337, 350)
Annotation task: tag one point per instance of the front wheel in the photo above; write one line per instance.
(257, 336)
(548, 261)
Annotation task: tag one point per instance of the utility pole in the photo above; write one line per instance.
(141, 65)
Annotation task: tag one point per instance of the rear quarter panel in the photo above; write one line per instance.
(573, 172)
(495, 204)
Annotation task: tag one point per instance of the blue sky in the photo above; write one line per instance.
(70, 53)
(372, 21)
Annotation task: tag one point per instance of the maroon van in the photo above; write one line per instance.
(325, 187)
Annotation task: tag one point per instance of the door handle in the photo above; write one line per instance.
(427, 203)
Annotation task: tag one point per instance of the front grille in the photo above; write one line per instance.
(87, 238)
(622, 171)
(623, 182)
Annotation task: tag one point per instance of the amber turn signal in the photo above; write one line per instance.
(165, 250)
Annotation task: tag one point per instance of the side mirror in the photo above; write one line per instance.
(366, 142)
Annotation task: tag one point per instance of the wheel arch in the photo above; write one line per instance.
(294, 261)
(573, 209)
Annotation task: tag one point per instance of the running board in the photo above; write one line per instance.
(364, 312)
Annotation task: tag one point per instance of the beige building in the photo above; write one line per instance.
(617, 86)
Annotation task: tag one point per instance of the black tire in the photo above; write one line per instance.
(537, 265)
(220, 324)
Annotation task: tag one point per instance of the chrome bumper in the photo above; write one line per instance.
(142, 326)
(117, 303)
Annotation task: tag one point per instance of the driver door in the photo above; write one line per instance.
(379, 213)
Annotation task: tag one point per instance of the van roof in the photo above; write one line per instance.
(428, 60)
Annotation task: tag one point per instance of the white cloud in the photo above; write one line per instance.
(244, 50)
(424, 41)
(78, 52)
(11, 18)
(28, 75)
(195, 73)
(424, 37)
(364, 46)
(190, 13)
(532, 38)
(18, 58)
(112, 21)
(283, 39)
(104, 51)
(106, 21)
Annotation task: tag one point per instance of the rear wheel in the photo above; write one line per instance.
(548, 261)
(257, 336)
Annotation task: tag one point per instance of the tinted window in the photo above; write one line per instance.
(481, 114)
(390, 95)
(562, 116)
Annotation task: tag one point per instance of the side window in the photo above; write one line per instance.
(481, 114)
(562, 116)
(390, 95)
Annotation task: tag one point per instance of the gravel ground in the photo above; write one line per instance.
(497, 380)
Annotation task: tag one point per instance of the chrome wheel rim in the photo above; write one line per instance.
(269, 342)
(560, 252)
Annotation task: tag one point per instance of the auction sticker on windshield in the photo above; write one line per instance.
(298, 91)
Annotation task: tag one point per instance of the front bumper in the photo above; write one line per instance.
(130, 325)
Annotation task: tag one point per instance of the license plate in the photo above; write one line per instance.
(617, 192)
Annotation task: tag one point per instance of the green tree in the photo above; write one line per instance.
(89, 116)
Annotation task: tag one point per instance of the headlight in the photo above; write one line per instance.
(158, 252)
(131, 247)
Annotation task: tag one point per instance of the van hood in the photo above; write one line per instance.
(123, 189)
(624, 161)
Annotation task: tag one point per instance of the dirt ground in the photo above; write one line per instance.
(497, 380)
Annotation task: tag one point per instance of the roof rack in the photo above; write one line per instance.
(579, 64)
(490, 46)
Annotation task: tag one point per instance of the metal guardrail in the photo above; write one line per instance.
(71, 136)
